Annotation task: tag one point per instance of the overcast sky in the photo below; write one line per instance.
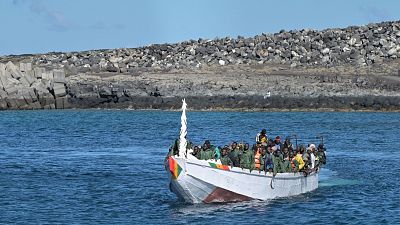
(39, 26)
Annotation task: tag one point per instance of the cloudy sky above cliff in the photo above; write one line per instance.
(39, 26)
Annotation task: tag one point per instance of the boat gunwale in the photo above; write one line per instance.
(286, 176)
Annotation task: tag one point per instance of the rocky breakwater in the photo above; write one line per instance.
(355, 45)
(25, 87)
(340, 68)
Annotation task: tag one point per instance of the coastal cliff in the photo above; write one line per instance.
(354, 68)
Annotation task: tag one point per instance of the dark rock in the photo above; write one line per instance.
(112, 69)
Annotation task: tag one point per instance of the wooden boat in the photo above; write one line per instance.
(198, 181)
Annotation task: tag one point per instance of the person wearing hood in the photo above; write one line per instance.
(247, 158)
(207, 151)
(235, 154)
(225, 160)
(174, 149)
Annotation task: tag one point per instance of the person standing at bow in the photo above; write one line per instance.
(262, 136)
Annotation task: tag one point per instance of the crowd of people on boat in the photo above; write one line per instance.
(268, 155)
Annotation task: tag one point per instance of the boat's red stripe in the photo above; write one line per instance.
(223, 195)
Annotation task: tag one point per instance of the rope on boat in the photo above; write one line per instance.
(271, 182)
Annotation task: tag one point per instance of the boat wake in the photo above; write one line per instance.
(220, 208)
(328, 178)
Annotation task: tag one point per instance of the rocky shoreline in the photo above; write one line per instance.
(354, 68)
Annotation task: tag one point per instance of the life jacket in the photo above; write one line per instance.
(261, 138)
(257, 160)
(292, 163)
(300, 160)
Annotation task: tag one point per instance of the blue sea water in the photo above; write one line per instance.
(106, 167)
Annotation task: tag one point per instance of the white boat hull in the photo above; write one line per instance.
(198, 181)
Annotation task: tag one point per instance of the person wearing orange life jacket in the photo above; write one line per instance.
(257, 157)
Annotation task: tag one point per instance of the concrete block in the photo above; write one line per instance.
(3, 81)
(7, 74)
(42, 100)
(28, 99)
(47, 83)
(25, 67)
(51, 106)
(45, 98)
(66, 102)
(11, 90)
(10, 65)
(12, 81)
(62, 103)
(24, 82)
(28, 67)
(3, 104)
(49, 100)
(42, 96)
(38, 71)
(12, 103)
(27, 79)
(22, 67)
(22, 94)
(31, 75)
(47, 76)
(3, 94)
(59, 103)
(2, 69)
(20, 100)
(3, 76)
(16, 74)
(59, 90)
(39, 87)
(59, 76)
(35, 105)
(13, 70)
(33, 95)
